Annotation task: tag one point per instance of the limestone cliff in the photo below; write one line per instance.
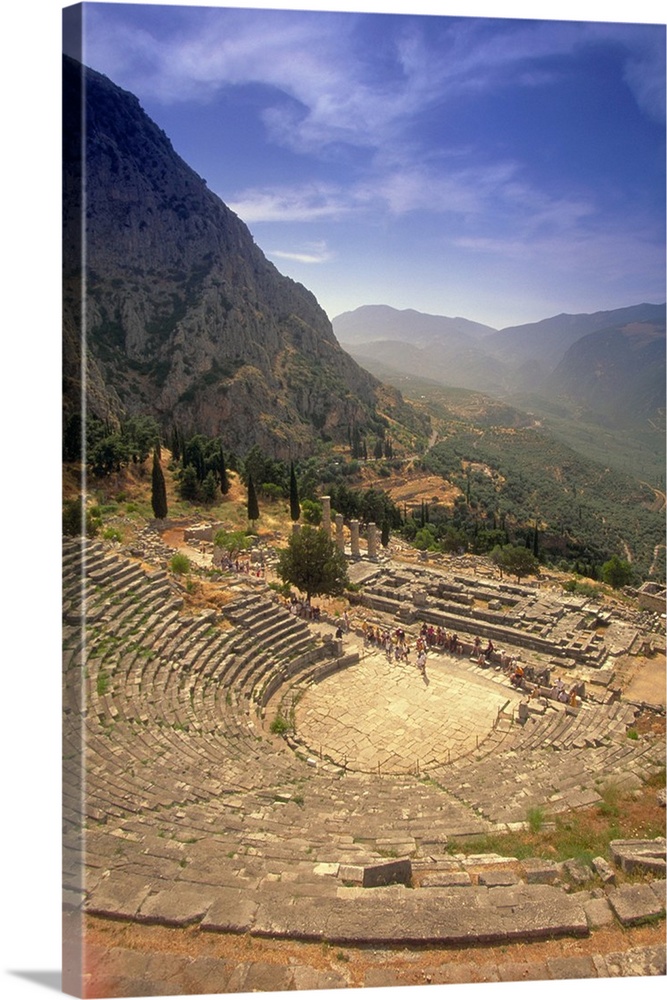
(184, 317)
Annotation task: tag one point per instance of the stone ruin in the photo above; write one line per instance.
(196, 813)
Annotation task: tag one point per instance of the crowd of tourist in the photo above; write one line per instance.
(395, 644)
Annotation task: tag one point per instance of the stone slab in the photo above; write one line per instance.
(604, 870)
(387, 873)
(497, 878)
(539, 871)
(351, 873)
(119, 895)
(231, 910)
(327, 868)
(260, 977)
(633, 904)
(205, 975)
(454, 916)
(639, 855)
(306, 978)
(453, 973)
(445, 879)
(598, 913)
(512, 972)
(659, 887)
(642, 961)
(574, 967)
(576, 871)
(177, 906)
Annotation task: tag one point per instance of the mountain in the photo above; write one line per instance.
(608, 364)
(617, 373)
(437, 347)
(536, 348)
(460, 363)
(370, 323)
(185, 318)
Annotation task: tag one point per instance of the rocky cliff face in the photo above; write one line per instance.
(184, 317)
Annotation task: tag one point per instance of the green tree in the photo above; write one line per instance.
(312, 511)
(72, 438)
(141, 435)
(425, 539)
(175, 443)
(77, 520)
(158, 489)
(222, 472)
(194, 457)
(617, 572)
(294, 506)
(515, 559)
(108, 455)
(231, 542)
(209, 487)
(189, 484)
(253, 506)
(313, 563)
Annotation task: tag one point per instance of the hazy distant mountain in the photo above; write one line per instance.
(436, 347)
(589, 361)
(460, 363)
(547, 340)
(369, 323)
(617, 373)
(186, 319)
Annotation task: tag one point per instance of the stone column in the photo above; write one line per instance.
(296, 527)
(340, 537)
(326, 515)
(372, 542)
(354, 540)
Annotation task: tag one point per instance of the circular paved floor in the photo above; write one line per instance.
(377, 713)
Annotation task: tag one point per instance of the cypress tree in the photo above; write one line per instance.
(222, 471)
(159, 489)
(253, 506)
(175, 444)
(294, 506)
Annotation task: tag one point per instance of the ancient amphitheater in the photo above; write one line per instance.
(183, 809)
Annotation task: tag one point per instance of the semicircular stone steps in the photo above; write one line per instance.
(188, 796)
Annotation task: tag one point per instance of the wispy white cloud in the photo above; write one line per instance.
(307, 203)
(327, 85)
(598, 249)
(311, 253)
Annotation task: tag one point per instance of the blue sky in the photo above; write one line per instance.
(502, 169)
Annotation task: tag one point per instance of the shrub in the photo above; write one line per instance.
(180, 563)
(280, 725)
(535, 819)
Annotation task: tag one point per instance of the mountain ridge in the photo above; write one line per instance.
(517, 360)
(185, 318)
